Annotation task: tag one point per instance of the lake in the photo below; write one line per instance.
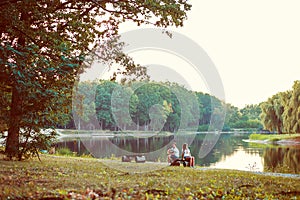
(231, 151)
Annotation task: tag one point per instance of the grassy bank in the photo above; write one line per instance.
(79, 178)
(273, 137)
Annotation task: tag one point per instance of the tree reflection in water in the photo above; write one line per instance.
(281, 159)
(274, 159)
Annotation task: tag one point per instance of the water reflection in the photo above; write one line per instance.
(106, 147)
(282, 159)
(141, 145)
(241, 160)
(230, 152)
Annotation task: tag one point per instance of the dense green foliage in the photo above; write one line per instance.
(167, 98)
(64, 152)
(281, 112)
(77, 178)
(45, 44)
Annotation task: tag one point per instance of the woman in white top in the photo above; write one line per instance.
(186, 155)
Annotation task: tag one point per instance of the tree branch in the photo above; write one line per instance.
(5, 2)
(28, 36)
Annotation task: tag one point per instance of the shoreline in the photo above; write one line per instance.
(158, 165)
(133, 167)
(275, 139)
(289, 142)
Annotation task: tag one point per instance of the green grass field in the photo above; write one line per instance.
(87, 178)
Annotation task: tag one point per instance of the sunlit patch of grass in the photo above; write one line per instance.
(273, 137)
(73, 177)
(262, 145)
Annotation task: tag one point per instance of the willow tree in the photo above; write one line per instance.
(291, 114)
(272, 113)
(43, 45)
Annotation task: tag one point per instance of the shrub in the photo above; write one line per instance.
(203, 127)
(64, 152)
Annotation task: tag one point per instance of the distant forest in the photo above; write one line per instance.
(164, 100)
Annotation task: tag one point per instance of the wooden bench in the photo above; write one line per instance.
(185, 163)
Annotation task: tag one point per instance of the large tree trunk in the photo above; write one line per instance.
(12, 142)
(279, 129)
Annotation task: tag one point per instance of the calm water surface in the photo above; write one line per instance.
(230, 152)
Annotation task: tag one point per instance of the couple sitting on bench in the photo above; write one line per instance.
(186, 158)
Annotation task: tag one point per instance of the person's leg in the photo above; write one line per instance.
(188, 160)
(192, 161)
(175, 161)
(173, 158)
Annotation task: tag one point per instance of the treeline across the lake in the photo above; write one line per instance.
(281, 112)
(152, 106)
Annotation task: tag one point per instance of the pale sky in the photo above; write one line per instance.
(254, 44)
